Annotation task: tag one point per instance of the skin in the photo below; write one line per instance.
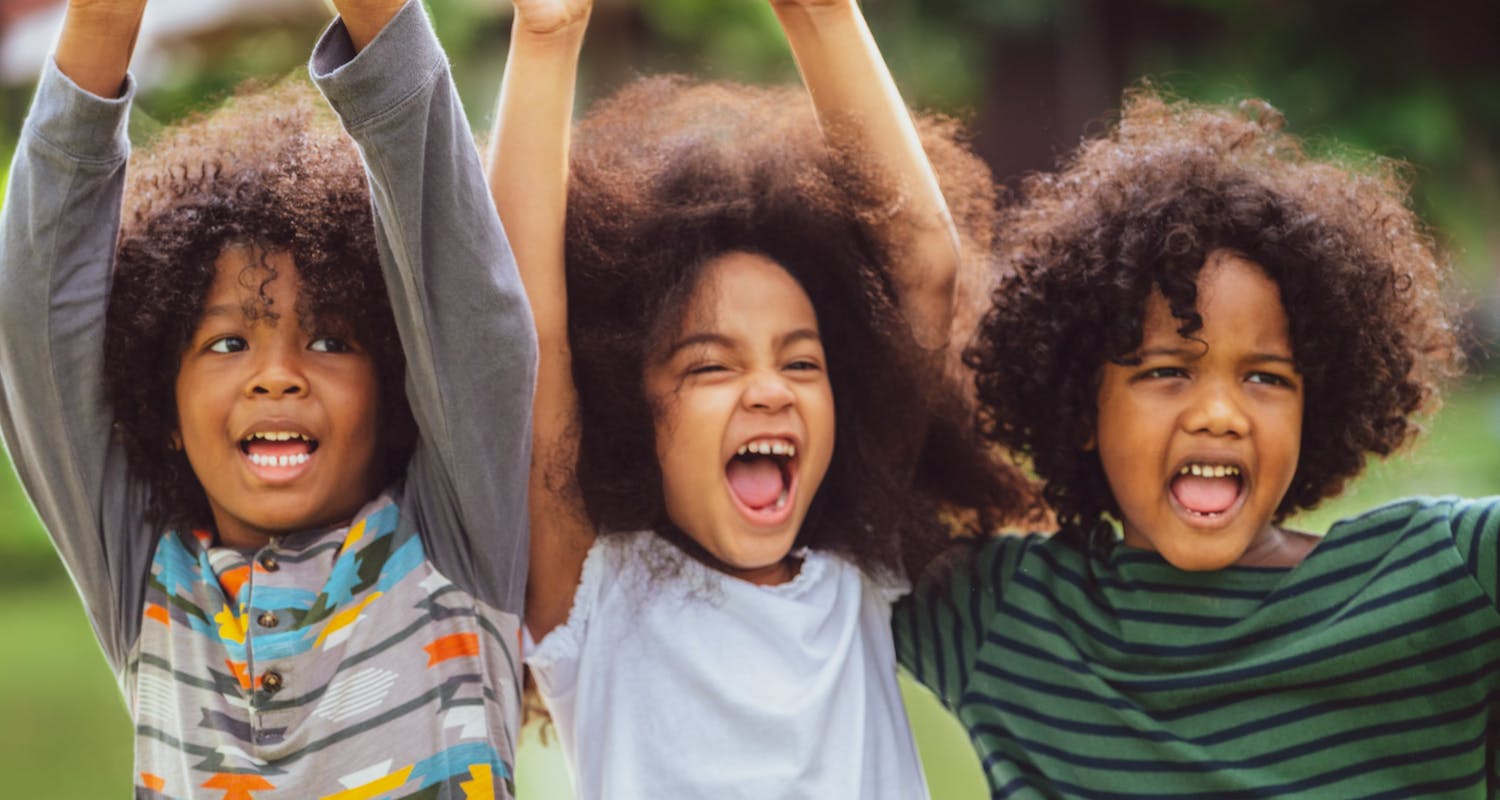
(528, 174)
(746, 365)
(1229, 395)
(240, 375)
(97, 40)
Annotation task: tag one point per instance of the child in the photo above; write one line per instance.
(1207, 331)
(726, 300)
(303, 593)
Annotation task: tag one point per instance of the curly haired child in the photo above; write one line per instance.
(1207, 330)
(712, 279)
(299, 535)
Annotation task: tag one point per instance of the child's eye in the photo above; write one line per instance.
(1157, 373)
(329, 344)
(228, 344)
(704, 369)
(804, 365)
(1268, 378)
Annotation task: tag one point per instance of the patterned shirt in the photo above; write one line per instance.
(320, 648)
(378, 660)
(1371, 669)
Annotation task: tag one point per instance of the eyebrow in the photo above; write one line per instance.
(1193, 353)
(222, 309)
(719, 339)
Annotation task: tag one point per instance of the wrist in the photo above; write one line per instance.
(823, 9)
(815, 17)
(554, 31)
(365, 19)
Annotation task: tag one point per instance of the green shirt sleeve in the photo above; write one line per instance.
(940, 625)
(1475, 524)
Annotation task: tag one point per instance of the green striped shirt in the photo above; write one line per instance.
(1368, 670)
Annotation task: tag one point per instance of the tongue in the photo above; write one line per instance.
(1205, 495)
(290, 447)
(755, 481)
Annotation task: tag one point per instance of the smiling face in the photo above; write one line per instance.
(1200, 439)
(278, 422)
(744, 415)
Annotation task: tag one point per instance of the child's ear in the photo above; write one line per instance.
(174, 441)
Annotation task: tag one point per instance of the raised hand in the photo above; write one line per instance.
(541, 17)
(98, 38)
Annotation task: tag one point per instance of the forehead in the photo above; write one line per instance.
(244, 273)
(255, 286)
(741, 294)
(1237, 301)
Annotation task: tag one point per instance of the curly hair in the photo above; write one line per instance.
(668, 174)
(1139, 210)
(270, 170)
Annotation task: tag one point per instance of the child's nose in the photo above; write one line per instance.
(768, 391)
(278, 374)
(1216, 410)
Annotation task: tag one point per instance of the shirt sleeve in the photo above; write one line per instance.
(463, 320)
(57, 241)
(939, 626)
(1476, 533)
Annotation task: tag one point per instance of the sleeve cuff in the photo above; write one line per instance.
(83, 125)
(393, 67)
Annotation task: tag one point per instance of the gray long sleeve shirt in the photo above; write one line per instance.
(376, 658)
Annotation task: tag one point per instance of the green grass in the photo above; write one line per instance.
(65, 733)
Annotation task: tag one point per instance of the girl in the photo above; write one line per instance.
(726, 301)
(1207, 331)
(303, 594)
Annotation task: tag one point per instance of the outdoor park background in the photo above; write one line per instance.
(1418, 81)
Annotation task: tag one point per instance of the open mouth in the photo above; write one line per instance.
(278, 449)
(1208, 491)
(762, 478)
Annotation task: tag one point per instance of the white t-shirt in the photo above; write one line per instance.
(672, 680)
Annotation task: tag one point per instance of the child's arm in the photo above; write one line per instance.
(528, 172)
(57, 243)
(861, 112)
(459, 307)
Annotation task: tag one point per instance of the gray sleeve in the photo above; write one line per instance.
(57, 241)
(464, 322)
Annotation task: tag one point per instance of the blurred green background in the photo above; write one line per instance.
(1420, 82)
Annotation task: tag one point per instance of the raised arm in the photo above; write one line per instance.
(457, 300)
(97, 40)
(57, 242)
(528, 175)
(861, 113)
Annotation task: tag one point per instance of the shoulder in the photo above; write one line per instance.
(990, 563)
(1417, 516)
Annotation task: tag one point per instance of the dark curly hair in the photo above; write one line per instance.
(1139, 210)
(668, 174)
(270, 170)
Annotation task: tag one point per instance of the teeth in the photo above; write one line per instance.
(768, 448)
(1210, 470)
(276, 436)
(781, 500)
(279, 461)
